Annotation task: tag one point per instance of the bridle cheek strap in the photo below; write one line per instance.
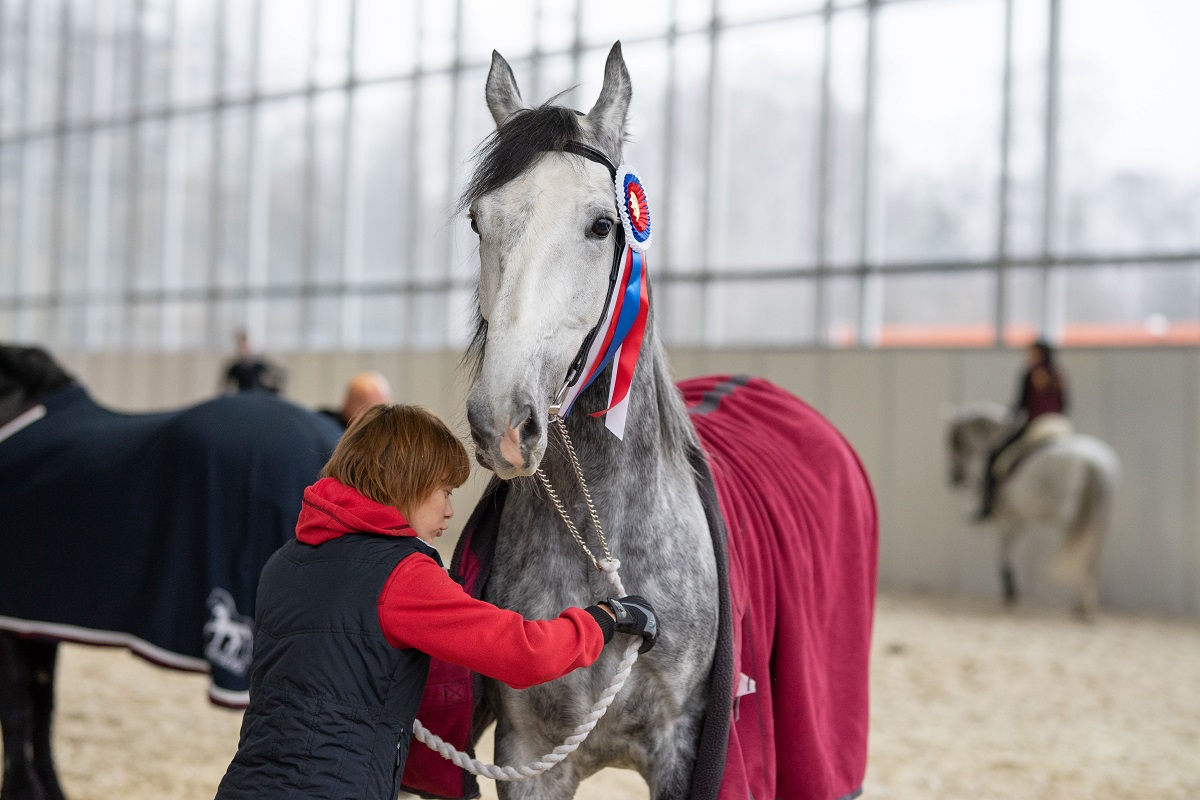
(617, 335)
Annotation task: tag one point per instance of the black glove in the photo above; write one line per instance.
(635, 616)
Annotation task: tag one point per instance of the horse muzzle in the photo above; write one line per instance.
(510, 443)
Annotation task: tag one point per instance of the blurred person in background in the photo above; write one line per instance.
(364, 390)
(251, 372)
(1043, 390)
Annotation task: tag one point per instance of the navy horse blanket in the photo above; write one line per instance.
(149, 530)
(795, 532)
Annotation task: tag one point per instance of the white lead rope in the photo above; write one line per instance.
(609, 567)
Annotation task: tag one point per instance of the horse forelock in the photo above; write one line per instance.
(507, 153)
(518, 145)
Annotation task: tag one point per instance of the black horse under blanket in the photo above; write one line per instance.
(150, 530)
(795, 532)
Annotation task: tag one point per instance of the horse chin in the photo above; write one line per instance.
(510, 461)
(506, 470)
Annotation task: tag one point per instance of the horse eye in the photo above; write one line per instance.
(474, 227)
(601, 227)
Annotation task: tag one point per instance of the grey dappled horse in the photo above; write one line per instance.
(1066, 482)
(547, 226)
(542, 201)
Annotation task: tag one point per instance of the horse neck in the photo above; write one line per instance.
(657, 437)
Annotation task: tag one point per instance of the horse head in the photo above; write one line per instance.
(973, 430)
(548, 227)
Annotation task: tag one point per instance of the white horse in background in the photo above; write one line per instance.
(1065, 481)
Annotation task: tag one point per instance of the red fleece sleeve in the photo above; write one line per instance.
(422, 607)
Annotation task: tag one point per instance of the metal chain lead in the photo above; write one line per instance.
(610, 568)
(587, 496)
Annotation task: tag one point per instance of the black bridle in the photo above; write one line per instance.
(576, 369)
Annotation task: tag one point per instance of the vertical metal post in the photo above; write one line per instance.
(412, 201)
(25, 196)
(1000, 309)
(868, 315)
(56, 311)
(133, 227)
(173, 193)
(351, 227)
(4, 23)
(821, 296)
(98, 286)
(708, 329)
(257, 198)
(1050, 298)
(449, 317)
(216, 219)
(577, 59)
(535, 59)
(662, 255)
(308, 227)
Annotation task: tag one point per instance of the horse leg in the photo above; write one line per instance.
(669, 772)
(1008, 576)
(1083, 543)
(20, 780)
(42, 657)
(1088, 545)
(558, 783)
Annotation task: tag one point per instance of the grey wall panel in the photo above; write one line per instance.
(1141, 564)
(170, 372)
(917, 547)
(109, 380)
(686, 363)
(733, 362)
(1087, 376)
(858, 382)
(202, 376)
(1191, 369)
(308, 381)
(888, 404)
(430, 383)
(987, 375)
(800, 372)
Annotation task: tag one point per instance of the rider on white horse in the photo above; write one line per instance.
(1043, 391)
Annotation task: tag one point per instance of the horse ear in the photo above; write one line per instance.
(503, 96)
(606, 120)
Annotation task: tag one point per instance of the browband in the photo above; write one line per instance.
(591, 153)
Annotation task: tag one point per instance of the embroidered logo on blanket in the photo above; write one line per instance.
(228, 637)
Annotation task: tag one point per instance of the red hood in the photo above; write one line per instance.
(332, 509)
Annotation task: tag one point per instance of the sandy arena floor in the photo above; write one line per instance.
(968, 702)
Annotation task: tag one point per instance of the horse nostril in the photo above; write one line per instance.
(531, 429)
(521, 419)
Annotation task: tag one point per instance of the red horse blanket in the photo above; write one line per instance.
(795, 532)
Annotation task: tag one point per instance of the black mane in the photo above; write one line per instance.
(516, 146)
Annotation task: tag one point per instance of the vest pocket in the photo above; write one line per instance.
(403, 737)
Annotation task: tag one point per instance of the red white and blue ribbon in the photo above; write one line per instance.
(622, 327)
(634, 210)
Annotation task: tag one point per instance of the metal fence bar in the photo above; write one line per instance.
(1050, 193)
(1000, 307)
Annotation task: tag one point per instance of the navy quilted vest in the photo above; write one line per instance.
(331, 702)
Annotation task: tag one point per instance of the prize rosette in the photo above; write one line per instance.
(635, 211)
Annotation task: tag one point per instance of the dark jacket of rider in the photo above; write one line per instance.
(347, 616)
(1043, 386)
